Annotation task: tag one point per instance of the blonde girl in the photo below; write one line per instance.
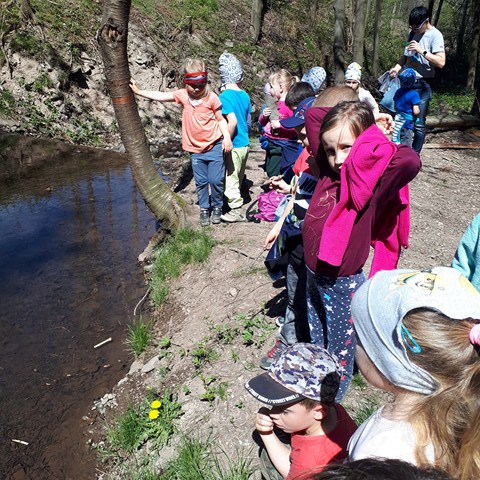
(419, 339)
(282, 149)
(203, 127)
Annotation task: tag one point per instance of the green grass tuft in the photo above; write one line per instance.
(140, 334)
(365, 411)
(187, 246)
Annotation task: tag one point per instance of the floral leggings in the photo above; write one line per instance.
(331, 325)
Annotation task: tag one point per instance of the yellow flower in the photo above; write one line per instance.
(156, 404)
(153, 414)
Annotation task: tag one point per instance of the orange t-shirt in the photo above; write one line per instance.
(200, 129)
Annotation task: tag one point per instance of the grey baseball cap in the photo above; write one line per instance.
(302, 371)
(380, 304)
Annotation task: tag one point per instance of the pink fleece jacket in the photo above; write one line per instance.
(370, 156)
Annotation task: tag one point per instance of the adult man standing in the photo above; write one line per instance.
(424, 51)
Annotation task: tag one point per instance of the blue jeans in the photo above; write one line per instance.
(331, 325)
(209, 169)
(419, 127)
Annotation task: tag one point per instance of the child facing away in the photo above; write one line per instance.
(467, 256)
(237, 109)
(316, 77)
(361, 199)
(300, 386)
(353, 79)
(281, 141)
(419, 339)
(407, 101)
(287, 231)
(203, 127)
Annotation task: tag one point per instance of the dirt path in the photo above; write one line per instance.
(216, 302)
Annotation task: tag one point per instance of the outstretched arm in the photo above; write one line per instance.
(151, 94)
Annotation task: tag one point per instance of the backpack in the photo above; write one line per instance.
(268, 203)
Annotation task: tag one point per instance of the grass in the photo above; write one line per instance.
(451, 102)
(197, 460)
(135, 426)
(363, 412)
(140, 335)
(358, 381)
(187, 246)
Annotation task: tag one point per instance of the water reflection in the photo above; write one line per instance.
(69, 237)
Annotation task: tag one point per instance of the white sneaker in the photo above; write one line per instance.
(233, 216)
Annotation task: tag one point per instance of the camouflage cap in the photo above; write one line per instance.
(302, 371)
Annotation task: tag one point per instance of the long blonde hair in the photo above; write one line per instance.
(449, 418)
(284, 78)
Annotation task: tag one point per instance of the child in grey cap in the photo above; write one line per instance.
(419, 339)
(300, 386)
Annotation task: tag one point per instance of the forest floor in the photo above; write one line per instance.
(211, 306)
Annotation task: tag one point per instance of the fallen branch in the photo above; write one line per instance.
(109, 339)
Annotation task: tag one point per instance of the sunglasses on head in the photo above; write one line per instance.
(415, 27)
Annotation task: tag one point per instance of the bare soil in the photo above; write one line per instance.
(232, 283)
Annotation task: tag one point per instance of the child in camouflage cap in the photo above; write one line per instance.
(300, 386)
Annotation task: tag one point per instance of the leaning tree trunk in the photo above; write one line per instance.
(112, 39)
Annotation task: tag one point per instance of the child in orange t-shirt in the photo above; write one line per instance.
(203, 126)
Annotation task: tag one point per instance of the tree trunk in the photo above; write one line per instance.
(461, 31)
(257, 13)
(437, 13)
(473, 56)
(376, 39)
(339, 41)
(359, 32)
(112, 39)
(431, 4)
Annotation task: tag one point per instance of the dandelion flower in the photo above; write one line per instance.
(156, 404)
(153, 414)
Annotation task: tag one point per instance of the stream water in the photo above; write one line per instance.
(70, 233)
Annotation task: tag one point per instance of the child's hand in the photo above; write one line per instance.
(275, 124)
(277, 183)
(385, 123)
(134, 86)
(264, 424)
(267, 112)
(227, 146)
(270, 238)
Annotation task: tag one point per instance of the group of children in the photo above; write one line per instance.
(414, 334)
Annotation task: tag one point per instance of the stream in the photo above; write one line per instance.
(70, 233)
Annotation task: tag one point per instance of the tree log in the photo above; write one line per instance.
(452, 121)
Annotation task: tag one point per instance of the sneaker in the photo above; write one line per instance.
(233, 216)
(216, 215)
(204, 217)
(274, 353)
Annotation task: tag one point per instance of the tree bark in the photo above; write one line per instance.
(473, 56)
(376, 39)
(461, 31)
(257, 13)
(339, 41)
(359, 32)
(112, 39)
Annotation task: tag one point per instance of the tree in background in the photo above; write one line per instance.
(112, 39)
(339, 41)
(359, 32)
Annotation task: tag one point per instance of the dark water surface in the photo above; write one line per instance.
(70, 234)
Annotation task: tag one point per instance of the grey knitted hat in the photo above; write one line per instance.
(302, 371)
(230, 68)
(380, 304)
